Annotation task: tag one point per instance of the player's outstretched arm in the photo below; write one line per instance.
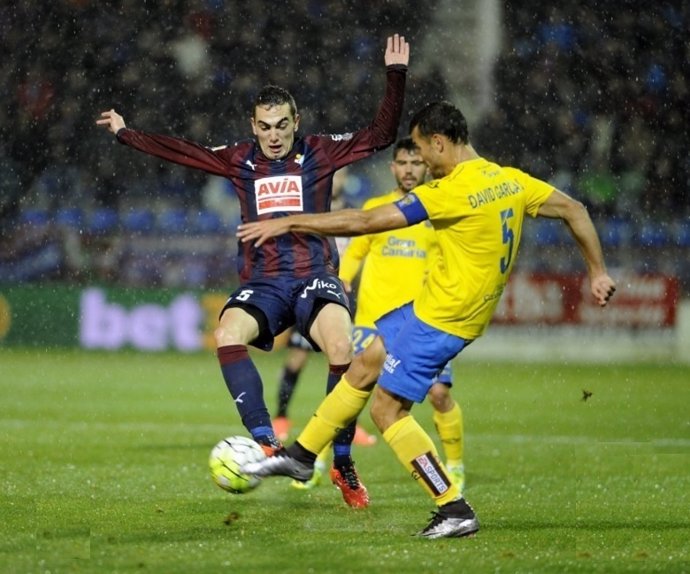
(559, 205)
(111, 120)
(397, 51)
(341, 223)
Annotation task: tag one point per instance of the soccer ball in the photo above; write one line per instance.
(226, 459)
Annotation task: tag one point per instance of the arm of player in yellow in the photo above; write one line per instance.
(561, 206)
(342, 223)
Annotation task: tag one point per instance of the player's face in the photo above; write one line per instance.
(274, 128)
(408, 169)
(429, 153)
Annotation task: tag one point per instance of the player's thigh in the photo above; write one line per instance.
(236, 327)
(269, 304)
(331, 330)
(322, 314)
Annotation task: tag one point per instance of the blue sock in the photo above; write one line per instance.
(245, 386)
(342, 443)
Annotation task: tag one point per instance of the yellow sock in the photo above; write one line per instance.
(417, 453)
(450, 431)
(342, 405)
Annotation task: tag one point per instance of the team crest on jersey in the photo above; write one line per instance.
(408, 199)
(279, 193)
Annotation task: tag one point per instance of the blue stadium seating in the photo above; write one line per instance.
(173, 221)
(34, 217)
(139, 221)
(615, 232)
(681, 233)
(103, 221)
(653, 234)
(207, 222)
(549, 232)
(70, 217)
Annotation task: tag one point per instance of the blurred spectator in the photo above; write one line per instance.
(608, 81)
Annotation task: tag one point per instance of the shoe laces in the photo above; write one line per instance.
(436, 519)
(350, 475)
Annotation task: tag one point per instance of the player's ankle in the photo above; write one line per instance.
(298, 452)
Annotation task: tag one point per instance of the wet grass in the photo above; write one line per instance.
(104, 462)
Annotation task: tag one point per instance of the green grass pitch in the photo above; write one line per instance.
(104, 460)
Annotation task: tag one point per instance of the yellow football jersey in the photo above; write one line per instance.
(477, 212)
(395, 264)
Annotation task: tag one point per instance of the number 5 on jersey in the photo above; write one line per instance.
(508, 238)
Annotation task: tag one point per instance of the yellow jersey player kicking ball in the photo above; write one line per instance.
(393, 266)
(477, 209)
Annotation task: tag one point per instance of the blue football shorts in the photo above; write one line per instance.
(416, 353)
(363, 336)
(279, 303)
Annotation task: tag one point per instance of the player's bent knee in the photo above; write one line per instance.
(386, 409)
(440, 398)
(225, 337)
(361, 375)
(339, 352)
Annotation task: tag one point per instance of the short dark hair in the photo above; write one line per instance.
(441, 118)
(271, 95)
(406, 143)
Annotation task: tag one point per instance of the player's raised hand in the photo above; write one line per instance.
(397, 51)
(111, 120)
(603, 288)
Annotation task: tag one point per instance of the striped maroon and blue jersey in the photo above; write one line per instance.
(301, 182)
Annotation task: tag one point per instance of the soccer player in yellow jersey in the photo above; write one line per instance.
(477, 209)
(393, 266)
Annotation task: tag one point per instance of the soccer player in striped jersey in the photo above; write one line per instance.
(477, 209)
(393, 266)
(291, 280)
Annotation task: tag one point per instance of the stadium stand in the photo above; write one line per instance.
(589, 95)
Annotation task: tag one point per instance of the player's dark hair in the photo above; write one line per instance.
(405, 143)
(441, 118)
(271, 95)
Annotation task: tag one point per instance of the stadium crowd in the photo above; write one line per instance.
(591, 96)
(596, 95)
